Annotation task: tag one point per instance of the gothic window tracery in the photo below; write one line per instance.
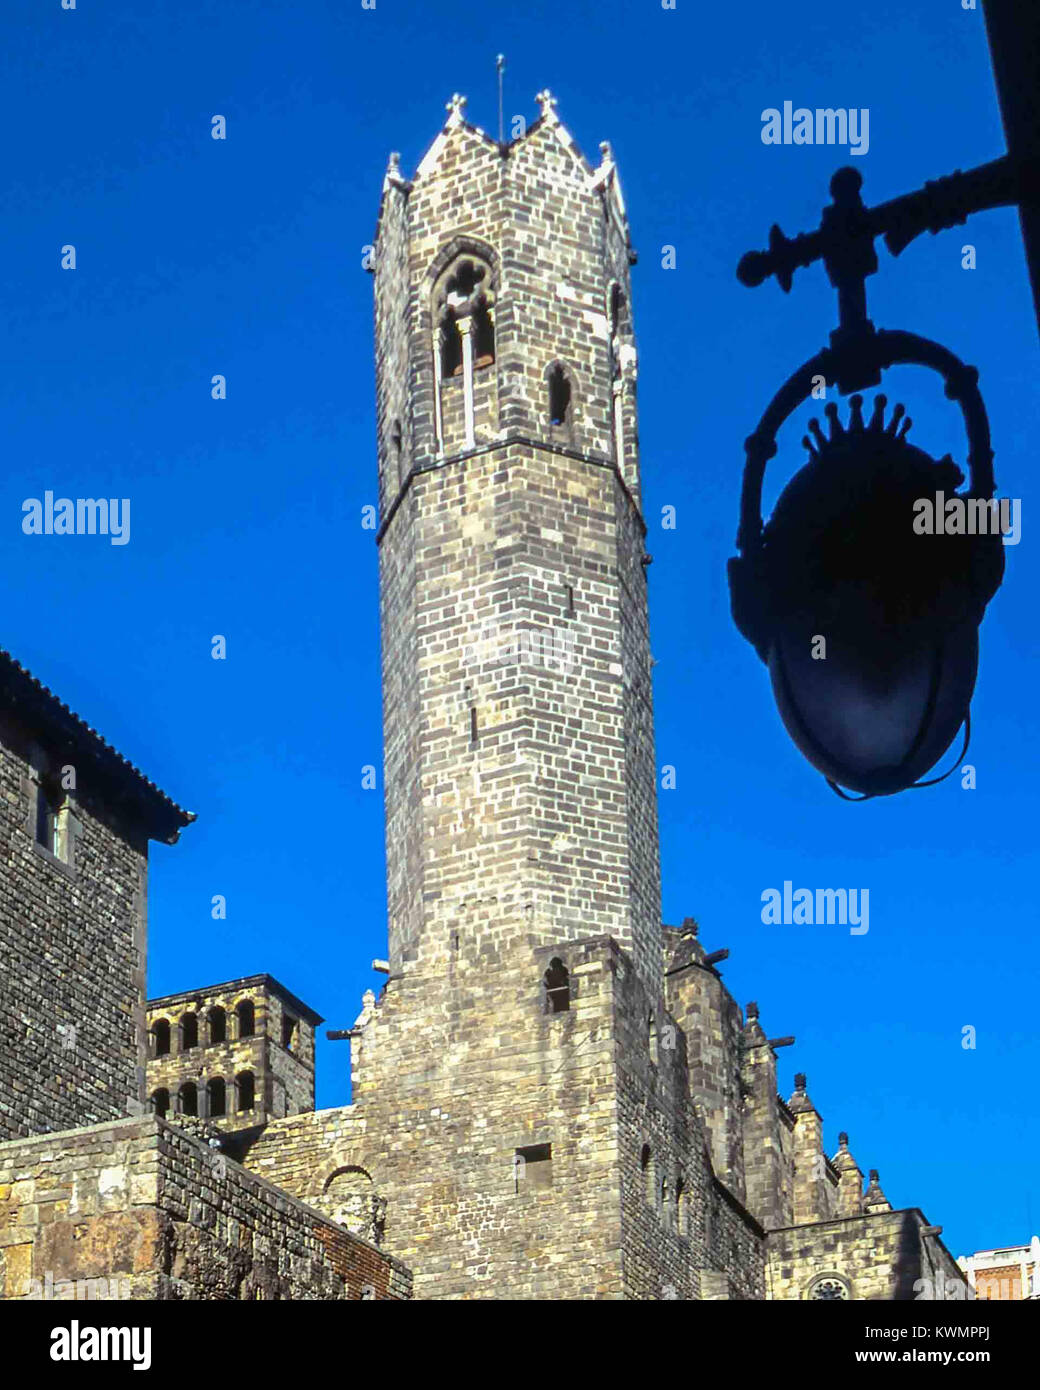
(465, 298)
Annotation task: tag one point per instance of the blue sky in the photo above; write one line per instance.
(243, 257)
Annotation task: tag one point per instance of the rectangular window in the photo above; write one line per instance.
(288, 1031)
(53, 822)
(532, 1167)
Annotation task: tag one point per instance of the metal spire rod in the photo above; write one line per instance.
(500, 64)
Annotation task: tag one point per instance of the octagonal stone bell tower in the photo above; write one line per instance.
(519, 749)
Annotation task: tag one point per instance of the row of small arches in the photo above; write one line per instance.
(216, 1025)
(212, 1097)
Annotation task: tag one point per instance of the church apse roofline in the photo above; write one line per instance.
(27, 699)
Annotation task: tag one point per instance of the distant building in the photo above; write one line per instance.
(238, 1054)
(1009, 1273)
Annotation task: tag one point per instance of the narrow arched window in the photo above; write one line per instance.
(246, 1016)
(245, 1087)
(161, 1103)
(557, 988)
(189, 1099)
(216, 1096)
(681, 1208)
(397, 446)
(161, 1037)
(189, 1031)
(651, 1030)
(617, 314)
(559, 397)
(217, 1025)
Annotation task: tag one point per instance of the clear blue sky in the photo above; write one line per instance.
(243, 257)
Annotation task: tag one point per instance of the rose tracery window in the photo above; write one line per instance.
(830, 1286)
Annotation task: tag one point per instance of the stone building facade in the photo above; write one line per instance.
(554, 1095)
(75, 821)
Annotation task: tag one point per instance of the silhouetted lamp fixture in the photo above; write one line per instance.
(869, 629)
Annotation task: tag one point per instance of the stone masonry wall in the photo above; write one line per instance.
(880, 1256)
(446, 1097)
(147, 1205)
(72, 958)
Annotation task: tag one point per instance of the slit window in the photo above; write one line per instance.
(288, 1031)
(646, 1165)
(559, 397)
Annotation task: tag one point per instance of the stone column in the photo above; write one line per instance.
(465, 327)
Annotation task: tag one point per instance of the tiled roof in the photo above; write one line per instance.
(27, 697)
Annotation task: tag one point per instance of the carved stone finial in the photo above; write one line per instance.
(606, 152)
(799, 1081)
(843, 1140)
(752, 1011)
(454, 107)
(547, 102)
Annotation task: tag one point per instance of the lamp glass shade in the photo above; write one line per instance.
(873, 726)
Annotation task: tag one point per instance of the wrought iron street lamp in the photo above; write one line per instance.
(870, 628)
